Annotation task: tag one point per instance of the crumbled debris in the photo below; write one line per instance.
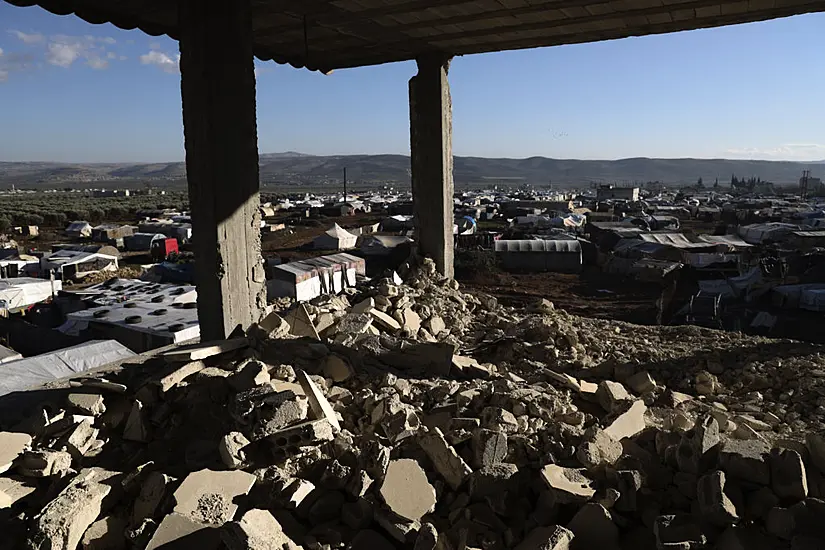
(414, 415)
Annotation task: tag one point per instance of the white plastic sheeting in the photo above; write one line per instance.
(336, 238)
(34, 371)
(766, 232)
(22, 292)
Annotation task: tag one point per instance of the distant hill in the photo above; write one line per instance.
(297, 168)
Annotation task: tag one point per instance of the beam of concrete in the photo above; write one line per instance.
(220, 130)
(431, 160)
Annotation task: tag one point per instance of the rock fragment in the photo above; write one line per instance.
(87, 403)
(568, 484)
(713, 502)
(208, 496)
(231, 449)
(12, 445)
(13, 490)
(257, 530)
(598, 449)
(446, 461)
(788, 478)
(406, 490)
(628, 423)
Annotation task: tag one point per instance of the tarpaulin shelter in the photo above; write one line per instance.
(336, 238)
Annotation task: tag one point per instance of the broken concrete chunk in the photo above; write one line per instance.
(598, 449)
(746, 460)
(88, 403)
(278, 411)
(384, 321)
(714, 504)
(256, 530)
(496, 418)
(337, 368)
(410, 321)
(251, 375)
(63, 521)
(816, 447)
(175, 378)
(554, 537)
(300, 323)
(296, 492)
(81, 438)
(151, 494)
(641, 382)
(612, 396)
(697, 450)
(489, 447)
(231, 447)
(788, 478)
(208, 496)
(306, 433)
(13, 490)
(44, 463)
(107, 533)
(12, 445)
(446, 461)
(406, 490)
(136, 429)
(180, 530)
(273, 326)
(628, 423)
(196, 352)
(319, 404)
(568, 484)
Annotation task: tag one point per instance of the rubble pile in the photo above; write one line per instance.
(418, 416)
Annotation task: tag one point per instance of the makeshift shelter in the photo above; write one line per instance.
(79, 229)
(761, 233)
(396, 223)
(35, 371)
(561, 256)
(142, 241)
(380, 245)
(107, 232)
(336, 238)
(71, 264)
(308, 279)
(22, 292)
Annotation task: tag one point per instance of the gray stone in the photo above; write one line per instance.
(598, 449)
(406, 491)
(208, 496)
(80, 439)
(641, 382)
(593, 527)
(788, 478)
(746, 460)
(231, 447)
(697, 450)
(816, 448)
(612, 395)
(446, 461)
(62, 522)
(568, 484)
(489, 447)
(45, 463)
(179, 530)
(12, 445)
(628, 423)
(87, 403)
(714, 504)
(281, 409)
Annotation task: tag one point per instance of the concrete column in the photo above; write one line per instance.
(431, 148)
(220, 130)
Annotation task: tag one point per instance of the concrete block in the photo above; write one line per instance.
(568, 484)
(87, 403)
(182, 531)
(406, 490)
(257, 530)
(12, 445)
(208, 496)
(788, 478)
(446, 461)
(714, 504)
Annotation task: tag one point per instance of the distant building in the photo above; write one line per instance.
(609, 192)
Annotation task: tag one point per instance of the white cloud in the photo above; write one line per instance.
(33, 38)
(161, 60)
(63, 51)
(787, 151)
(111, 55)
(13, 62)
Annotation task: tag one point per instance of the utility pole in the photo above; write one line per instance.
(803, 191)
(345, 185)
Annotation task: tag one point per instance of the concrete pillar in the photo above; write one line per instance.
(431, 148)
(220, 130)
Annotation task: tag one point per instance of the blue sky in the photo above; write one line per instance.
(71, 91)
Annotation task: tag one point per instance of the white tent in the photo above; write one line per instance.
(336, 238)
(79, 229)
